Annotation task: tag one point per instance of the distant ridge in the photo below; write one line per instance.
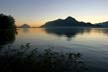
(103, 24)
(69, 22)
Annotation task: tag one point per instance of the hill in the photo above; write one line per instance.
(103, 24)
(68, 22)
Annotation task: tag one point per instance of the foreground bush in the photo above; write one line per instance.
(20, 60)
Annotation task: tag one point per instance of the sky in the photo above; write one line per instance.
(38, 12)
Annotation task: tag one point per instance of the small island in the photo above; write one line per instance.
(25, 26)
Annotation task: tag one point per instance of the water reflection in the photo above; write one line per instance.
(67, 32)
(70, 33)
(25, 30)
(105, 31)
(7, 36)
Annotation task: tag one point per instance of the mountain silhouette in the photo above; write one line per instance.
(103, 24)
(68, 22)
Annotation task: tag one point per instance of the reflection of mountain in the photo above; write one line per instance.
(7, 36)
(68, 32)
(25, 30)
(105, 31)
(68, 22)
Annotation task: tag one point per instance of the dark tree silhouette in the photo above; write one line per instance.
(7, 22)
(7, 29)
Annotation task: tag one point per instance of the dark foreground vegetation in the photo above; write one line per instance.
(24, 59)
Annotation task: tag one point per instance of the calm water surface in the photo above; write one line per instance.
(92, 43)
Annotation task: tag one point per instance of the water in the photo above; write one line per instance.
(92, 43)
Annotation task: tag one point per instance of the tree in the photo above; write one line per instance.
(7, 22)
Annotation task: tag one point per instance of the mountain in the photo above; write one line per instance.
(25, 26)
(68, 22)
(103, 24)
